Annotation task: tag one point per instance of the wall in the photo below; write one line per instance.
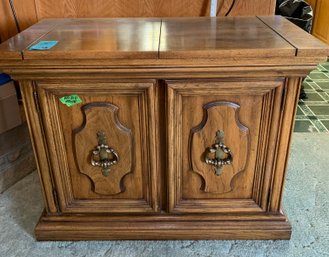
(26, 12)
(30, 11)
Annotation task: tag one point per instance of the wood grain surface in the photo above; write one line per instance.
(39, 144)
(118, 138)
(147, 8)
(26, 16)
(13, 47)
(76, 190)
(31, 11)
(102, 38)
(220, 38)
(218, 116)
(185, 112)
(264, 39)
(305, 43)
(163, 227)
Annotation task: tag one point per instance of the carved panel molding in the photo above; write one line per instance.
(223, 116)
(103, 117)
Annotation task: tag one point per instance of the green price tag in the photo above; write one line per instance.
(70, 100)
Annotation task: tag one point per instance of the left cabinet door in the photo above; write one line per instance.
(100, 140)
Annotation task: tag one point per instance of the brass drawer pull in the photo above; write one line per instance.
(104, 156)
(223, 154)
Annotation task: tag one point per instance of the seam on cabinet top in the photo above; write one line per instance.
(38, 38)
(159, 41)
(296, 49)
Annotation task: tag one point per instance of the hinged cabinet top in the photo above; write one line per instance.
(167, 38)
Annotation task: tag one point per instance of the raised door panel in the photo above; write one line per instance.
(100, 139)
(221, 144)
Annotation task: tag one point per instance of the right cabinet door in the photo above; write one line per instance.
(222, 137)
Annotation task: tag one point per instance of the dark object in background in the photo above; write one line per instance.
(300, 13)
(297, 11)
(9, 109)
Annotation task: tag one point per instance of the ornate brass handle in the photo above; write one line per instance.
(223, 154)
(103, 156)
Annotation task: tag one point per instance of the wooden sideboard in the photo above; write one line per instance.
(173, 128)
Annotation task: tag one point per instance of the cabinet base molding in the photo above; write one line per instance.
(173, 227)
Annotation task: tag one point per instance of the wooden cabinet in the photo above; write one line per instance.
(162, 129)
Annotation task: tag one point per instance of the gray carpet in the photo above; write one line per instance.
(306, 204)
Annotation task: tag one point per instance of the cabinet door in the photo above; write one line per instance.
(100, 139)
(221, 144)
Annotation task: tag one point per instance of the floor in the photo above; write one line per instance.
(306, 202)
(313, 112)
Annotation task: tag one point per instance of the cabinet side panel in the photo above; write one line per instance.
(38, 143)
(287, 125)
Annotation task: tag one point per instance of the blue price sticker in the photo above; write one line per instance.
(43, 45)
